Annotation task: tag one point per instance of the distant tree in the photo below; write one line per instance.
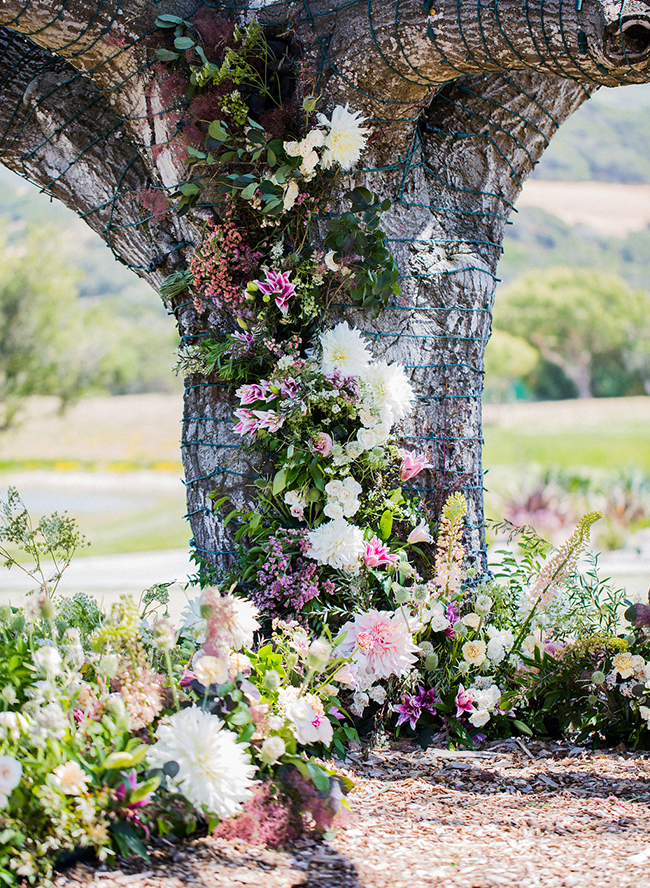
(508, 359)
(578, 319)
(54, 343)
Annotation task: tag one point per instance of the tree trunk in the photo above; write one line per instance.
(462, 101)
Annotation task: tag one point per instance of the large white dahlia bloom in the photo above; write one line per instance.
(338, 544)
(346, 137)
(344, 350)
(215, 772)
(389, 390)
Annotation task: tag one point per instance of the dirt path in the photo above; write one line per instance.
(520, 815)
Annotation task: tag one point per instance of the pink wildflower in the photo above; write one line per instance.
(463, 701)
(277, 284)
(321, 444)
(247, 424)
(377, 554)
(379, 642)
(412, 464)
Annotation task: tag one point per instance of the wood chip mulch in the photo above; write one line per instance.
(513, 814)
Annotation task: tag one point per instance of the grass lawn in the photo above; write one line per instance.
(605, 433)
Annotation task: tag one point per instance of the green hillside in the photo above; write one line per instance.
(606, 140)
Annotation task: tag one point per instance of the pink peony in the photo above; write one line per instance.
(277, 284)
(380, 642)
(377, 553)
(412, 464)
(464, 700)
(321, 444)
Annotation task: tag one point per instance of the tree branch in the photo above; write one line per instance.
(58, 130)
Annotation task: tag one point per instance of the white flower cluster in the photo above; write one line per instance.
(343, 137)
(386, 398)
(485, 701)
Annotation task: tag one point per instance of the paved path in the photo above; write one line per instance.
(108, 576)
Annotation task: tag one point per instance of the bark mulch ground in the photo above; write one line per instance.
(513, 814)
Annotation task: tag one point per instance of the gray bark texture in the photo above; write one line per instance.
(463, 98)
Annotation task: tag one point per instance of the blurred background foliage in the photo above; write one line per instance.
(73, 321)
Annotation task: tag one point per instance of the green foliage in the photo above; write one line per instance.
(600, 144)
(578, 320)
(356, 235)
(55, 538)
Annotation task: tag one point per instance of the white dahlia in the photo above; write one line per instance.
(344, 350)
(389, 390)
(338, 544)
(215, 772)
(346, 137)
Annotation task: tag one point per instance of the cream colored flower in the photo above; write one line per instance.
(623, 664)
(471, 620)
(474, 652)
(211, 670)
(291, 194)
(71, 778)
(11, 772)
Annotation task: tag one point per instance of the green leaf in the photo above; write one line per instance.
(218, 130)
(128, 841)
(166, 21)
(166, 55)
(183, 43)
(119, 760)
(386, 524)
(523, 727)
(271, 157)
(189, 188)
(319, 778)
(144, 789)
(249, 191)
(279, 482)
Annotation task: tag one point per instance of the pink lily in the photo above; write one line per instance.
(377, 554)
(420, 534)
(247, 424)
(270, 420)
(464, 701)
(412, 464)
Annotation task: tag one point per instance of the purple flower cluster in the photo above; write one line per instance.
(288, 581)
(412, 706)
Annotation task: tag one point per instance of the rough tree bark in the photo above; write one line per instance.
(463, 98)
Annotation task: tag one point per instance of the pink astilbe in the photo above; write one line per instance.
(378, 554)
(379, 642)
(222, 263)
